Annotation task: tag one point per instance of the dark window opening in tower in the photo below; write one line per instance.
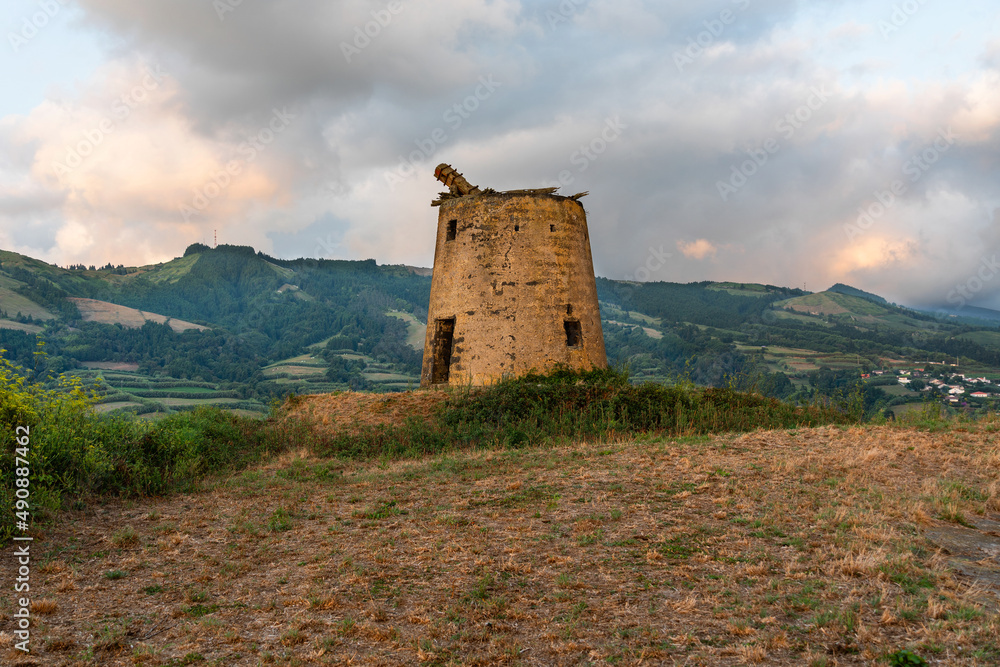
(444, 335)
(552, 228)
(574, 335)
(517, 228)
(452, 230)
(569, 309)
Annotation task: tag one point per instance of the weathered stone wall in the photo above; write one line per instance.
(515, 273)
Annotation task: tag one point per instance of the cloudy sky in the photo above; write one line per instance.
(793, 143)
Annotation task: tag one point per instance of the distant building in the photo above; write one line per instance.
(979, 394)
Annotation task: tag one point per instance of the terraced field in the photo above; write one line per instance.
(125, 390)
(306, 374)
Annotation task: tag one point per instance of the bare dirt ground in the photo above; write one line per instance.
(823, 546)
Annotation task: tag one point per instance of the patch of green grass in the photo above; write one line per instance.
(346, 626)
(678, 547)
(198, 596)
(912, 580)
(905, 658)
(964, 613)
(280, 520)
(199, 610)
(522, 497)
(564, 580)
(115, 574)
(381, 510)
(125, 537)
(483, 588)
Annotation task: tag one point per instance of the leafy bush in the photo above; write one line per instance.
(75, 451)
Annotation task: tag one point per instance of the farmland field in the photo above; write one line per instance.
(802, 547)
(417, 330)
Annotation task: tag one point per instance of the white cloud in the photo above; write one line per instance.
(699, 249)
(654, 186)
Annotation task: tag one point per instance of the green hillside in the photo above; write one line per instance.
(260, 311)
(989, 339)
(841, 288)
(833, 303)
(860, 310)
(272, 327)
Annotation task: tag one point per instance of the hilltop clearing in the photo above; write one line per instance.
(832, 545)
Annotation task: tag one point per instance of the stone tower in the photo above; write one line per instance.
(513, 288)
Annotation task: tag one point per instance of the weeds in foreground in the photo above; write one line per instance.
(71, 451)
(75, 452)
(568, 405)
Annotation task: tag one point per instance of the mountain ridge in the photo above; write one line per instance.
(270, 325)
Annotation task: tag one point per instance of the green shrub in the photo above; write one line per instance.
(906, 658)
(74, 451)
(574, 404)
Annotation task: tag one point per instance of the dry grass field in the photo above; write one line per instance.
(109, 313)
(827, 546)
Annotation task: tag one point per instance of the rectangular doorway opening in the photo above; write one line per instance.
(574, 334)
(444, 335)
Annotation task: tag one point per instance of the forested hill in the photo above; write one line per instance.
(237, 320)
(258, 310)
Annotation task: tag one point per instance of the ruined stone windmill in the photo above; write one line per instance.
(513, 287)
